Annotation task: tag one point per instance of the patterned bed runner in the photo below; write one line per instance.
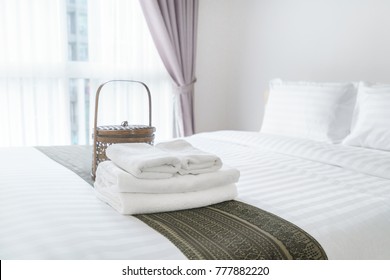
(76, 158)
(228, 230)
(233, 230)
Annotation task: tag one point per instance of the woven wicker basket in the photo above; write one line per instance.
(103, 136)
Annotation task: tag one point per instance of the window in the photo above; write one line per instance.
(77, 16)
(54, 55)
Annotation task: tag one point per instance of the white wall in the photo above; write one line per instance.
(219, 50)
(242, 44)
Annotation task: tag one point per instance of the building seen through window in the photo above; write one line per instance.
(79, 90)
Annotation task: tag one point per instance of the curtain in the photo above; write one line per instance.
(121, 47)
(31, 66)
(48, 82)
(173, 25)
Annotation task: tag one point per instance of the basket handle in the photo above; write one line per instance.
(127, 81)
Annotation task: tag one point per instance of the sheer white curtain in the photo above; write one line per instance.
(122, 48)
(48, 99)
(33, 99)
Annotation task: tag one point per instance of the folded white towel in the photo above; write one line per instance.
(143, 160)
(193, 160)
(125, 182)
(141, 203)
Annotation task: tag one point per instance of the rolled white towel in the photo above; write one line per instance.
(141, 203)
(193, 160)
(144, 161)
(125, 182)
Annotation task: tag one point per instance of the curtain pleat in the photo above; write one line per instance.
(173, 25)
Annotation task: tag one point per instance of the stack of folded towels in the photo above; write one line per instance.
(141, 178)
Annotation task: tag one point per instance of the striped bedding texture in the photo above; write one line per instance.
(338, 194)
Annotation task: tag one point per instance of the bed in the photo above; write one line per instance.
(338, 193)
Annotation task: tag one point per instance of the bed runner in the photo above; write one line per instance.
(77, 158)
(234, 230)
(228, 230)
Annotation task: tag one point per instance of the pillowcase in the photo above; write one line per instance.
(371, 121)
(315, 111)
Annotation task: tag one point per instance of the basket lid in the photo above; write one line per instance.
(121, 127)
(125, 130)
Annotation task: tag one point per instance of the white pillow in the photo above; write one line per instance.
(315, 111)
(371, 122)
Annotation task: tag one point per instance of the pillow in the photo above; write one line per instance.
(371, 122)
(315, 111)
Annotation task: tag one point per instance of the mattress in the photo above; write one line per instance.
(338, 194)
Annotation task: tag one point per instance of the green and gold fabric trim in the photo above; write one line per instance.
(234, 230)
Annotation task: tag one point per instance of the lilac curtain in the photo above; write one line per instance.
(173, 25)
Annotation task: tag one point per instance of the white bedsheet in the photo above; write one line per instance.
(48, 212)
(340, 195)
